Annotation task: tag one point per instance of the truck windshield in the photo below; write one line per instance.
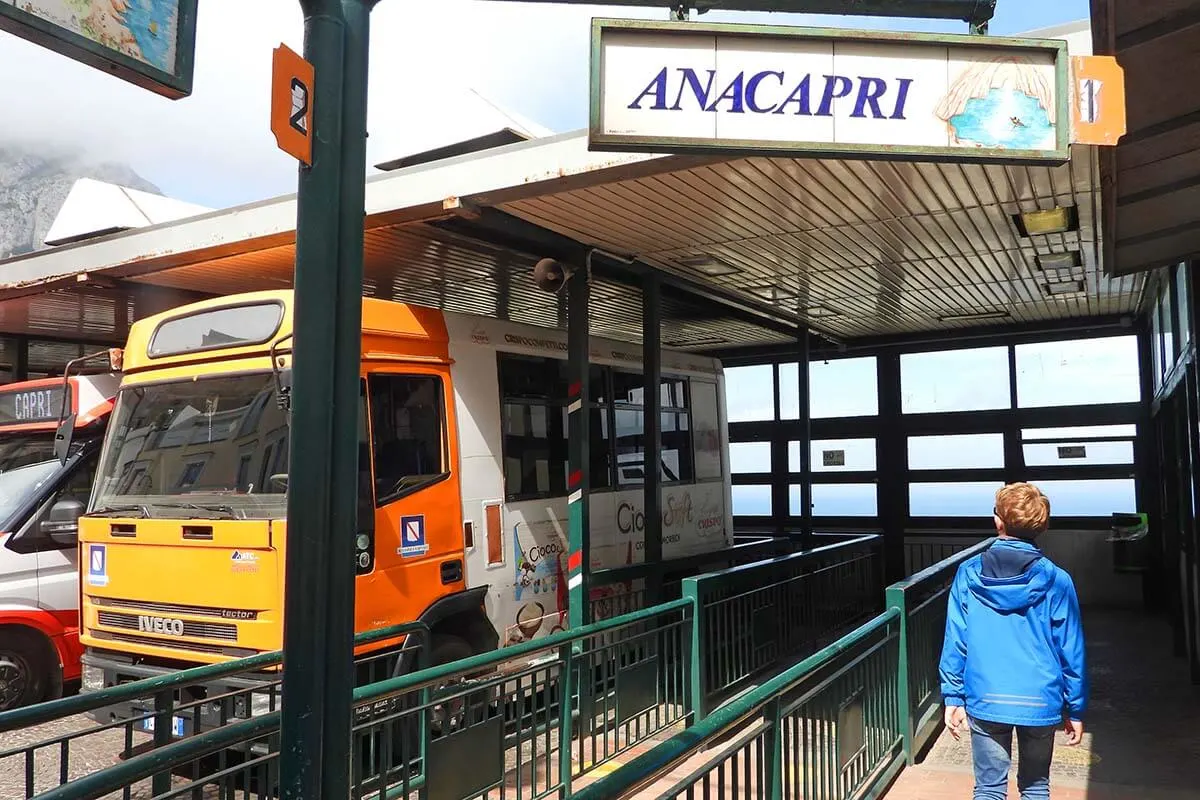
(213, 447)
(26, 462)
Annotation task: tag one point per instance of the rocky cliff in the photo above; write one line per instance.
(34, 185)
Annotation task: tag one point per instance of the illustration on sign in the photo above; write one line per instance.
(97, 565)
(412, 536)
(1005, 102)
(144, 30)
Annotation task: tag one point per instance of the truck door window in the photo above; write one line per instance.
(407, 433)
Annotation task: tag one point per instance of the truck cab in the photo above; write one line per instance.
(42, 495)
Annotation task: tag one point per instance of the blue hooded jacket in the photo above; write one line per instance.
(1013, 651)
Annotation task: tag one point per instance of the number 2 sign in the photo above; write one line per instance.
(292, 103)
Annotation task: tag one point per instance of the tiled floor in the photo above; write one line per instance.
(1143, 738)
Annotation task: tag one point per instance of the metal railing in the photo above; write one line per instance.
(754, 617)
(537, 719)
(490, 726)
(619, 590)
(828, 727)
(159, 710)
(921, 601)
(840, 724)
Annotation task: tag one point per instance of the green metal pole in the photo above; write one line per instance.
(579, 546)
(803, 373)
(896, 600)
(322, 496)
(652, 544)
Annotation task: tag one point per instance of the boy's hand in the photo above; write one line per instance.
(956, 720)
(1074, 731)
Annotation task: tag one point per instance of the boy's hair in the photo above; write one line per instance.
(1023, 509)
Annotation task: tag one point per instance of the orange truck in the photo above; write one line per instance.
(463, 476)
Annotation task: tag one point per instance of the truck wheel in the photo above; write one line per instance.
(451, 715)
(24, 669)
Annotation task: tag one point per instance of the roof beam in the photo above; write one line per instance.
(976, 12)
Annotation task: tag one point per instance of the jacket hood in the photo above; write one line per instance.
(1015, 593)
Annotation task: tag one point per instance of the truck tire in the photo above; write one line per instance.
(25, 668)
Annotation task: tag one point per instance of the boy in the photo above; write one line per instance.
(1013, 653)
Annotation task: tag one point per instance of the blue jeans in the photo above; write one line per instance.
(991, 750)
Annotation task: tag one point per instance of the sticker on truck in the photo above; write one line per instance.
(97, 565)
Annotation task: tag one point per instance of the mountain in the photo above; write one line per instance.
(33, 186)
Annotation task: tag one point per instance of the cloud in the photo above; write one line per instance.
(215, 148)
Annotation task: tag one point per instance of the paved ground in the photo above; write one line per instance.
(1142, 740)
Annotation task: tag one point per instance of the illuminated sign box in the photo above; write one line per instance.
(688, 87)
(151, 43)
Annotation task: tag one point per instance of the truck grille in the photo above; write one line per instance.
(193, 647)
(175, 608)
(199, 630)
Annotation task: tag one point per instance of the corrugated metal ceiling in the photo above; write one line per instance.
(432, 267)
(879, 247)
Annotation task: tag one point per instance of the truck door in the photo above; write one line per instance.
(418, 505)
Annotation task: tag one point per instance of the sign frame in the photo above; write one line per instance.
(633, 143)
(172, 85)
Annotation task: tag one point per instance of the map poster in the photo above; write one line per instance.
(150, 43)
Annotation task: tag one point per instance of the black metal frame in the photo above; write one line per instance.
(891, 428)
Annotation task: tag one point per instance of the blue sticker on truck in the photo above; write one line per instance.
(97, 565)
(412, 536)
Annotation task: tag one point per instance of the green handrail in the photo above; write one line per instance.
(162, 759)
(896, 598)
(649, 766)
(479, 663)
(91, 701)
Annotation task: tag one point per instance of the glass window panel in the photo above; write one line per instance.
(1168, 318)
(839, 500)
(789, 391)
(1090, 498)
(966, 499)
(1181, 292)
(843, 387)
(1079, 432)
(954, 380)
(749, 457)
(221, 327)
(8, 360)
(836, 455)
(1082, 372)
(706, 430)
(965, 451)
(1071, 454)
(750, 393)
(1156, 343)
(752, 501)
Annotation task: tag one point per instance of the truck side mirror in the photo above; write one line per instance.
(63, 437)
(61, 523)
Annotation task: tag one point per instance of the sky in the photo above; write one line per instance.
(214, 148)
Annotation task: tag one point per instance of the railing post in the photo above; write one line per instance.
(566, 687)
(895, 599)
(696, 657)
(164, 710)
(773, 751)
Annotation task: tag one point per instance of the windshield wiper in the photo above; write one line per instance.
(221, 510)
(113, 511)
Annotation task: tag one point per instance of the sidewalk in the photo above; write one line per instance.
(1142, 740)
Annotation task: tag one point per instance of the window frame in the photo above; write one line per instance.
(382, 500)
(608, 410)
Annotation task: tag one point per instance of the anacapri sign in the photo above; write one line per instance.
(685, 87)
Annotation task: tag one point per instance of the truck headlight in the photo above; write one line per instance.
(92, 679)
